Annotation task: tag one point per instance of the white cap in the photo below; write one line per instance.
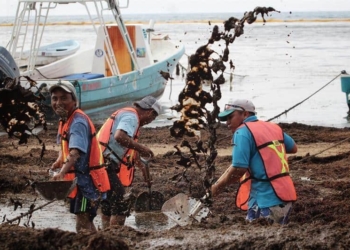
(149, 102)
(239, 104)
(66, 86)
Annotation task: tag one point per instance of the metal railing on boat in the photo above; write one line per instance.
(20, 29)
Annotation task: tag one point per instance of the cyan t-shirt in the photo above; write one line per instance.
(244, 155)
(79, 137)
(126, 121)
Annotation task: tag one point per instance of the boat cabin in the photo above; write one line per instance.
(119, 48)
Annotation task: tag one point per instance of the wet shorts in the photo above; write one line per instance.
(276, 214)
(114, 204)
(81, 204)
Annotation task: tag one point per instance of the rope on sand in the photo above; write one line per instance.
(320, 152)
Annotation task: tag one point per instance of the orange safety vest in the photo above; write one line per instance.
(97, 168)
(127, 168)
(269, 141)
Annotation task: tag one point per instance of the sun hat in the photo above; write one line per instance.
(239, 104)
(66, 86)
(149, 102)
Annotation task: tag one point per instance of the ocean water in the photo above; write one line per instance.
(285, 16)
(277, 64)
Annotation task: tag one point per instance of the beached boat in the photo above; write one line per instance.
(123, 65)
(49, 53)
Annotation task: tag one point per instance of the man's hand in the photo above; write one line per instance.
(72, 158)
(59, 161)
(146, 152)
(56, 164)
(59, 176)
(124, 140)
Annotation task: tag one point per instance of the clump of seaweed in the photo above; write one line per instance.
(21, 109)
(193, 100)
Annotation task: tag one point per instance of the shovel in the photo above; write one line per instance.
(151, 200)
(183, 209)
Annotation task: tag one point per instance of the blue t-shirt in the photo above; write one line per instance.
(246, 155)
(79, 137)
(128, 122)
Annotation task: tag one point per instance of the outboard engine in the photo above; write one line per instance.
(8, 66)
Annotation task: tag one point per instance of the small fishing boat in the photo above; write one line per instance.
(50, 53)
(123, 64)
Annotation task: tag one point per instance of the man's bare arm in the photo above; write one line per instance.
(124, 140)
(231, 175)
(72, 158)
(59, 161)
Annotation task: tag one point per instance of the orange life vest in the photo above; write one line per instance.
(269, 141)
(97, 168)
(127, 168)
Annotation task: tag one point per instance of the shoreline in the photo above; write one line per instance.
(215, 21)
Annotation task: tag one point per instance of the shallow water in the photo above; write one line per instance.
(56, 215)
(279, 65)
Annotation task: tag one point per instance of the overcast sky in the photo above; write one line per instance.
(8, 7)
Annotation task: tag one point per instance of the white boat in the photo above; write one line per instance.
(50, 53)
(123, 65)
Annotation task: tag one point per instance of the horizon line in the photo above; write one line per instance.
(219, 12)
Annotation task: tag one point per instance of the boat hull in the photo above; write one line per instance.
(101, 96)
(122, 66)
(50, 53)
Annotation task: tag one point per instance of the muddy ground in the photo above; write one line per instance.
(320, 218)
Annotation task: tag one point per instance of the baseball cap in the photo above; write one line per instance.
(66, 86)
(149, 102)
(239, 104)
